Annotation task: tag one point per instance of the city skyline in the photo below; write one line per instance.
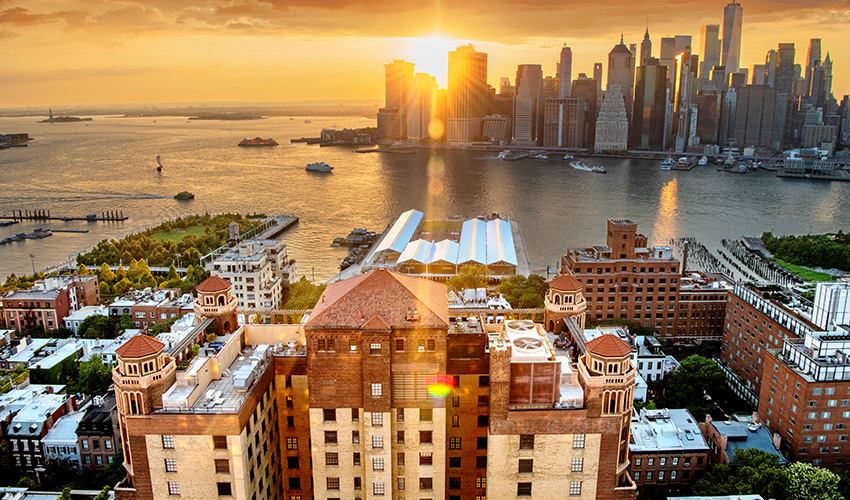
(155, 51)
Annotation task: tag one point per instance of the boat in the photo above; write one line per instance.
(599, 169)
(541, 156)
(257, 141)
(667, 164)
(683, 162)
(319, 167)
(729, 162)
(159, 166)
(184, 195)
(703, 161)
(504, 154)
(307, 121)
(568, 156)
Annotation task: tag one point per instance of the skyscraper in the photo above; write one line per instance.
(421, 105)
(650, 106)
(668, 59)
(565, 72)
(597, 75)
(755, 112)
(529, 94)
(645, 48)
(710, 50)
(392, 121)
(821, 83)
(733, 19)
(770, 68)
(467, 100)
(812, 61)
(620, 73)
(563, 125)
(586, 88)
(785, 77)
(612, 124)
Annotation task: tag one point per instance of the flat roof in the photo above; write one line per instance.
(64, 431)
(53, 359)
(665, 430)
(745, 435)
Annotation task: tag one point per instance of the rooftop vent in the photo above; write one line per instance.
(528, 344)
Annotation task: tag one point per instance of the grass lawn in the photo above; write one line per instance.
(176, 235)
(804, 273)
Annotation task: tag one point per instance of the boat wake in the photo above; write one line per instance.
(579, 165)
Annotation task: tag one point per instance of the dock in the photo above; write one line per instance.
(388, 151)
(107, 216)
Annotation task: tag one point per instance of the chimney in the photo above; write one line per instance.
(777, 440)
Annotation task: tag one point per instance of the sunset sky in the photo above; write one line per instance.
(66, 52)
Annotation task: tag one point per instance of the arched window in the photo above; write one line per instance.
(221, 300)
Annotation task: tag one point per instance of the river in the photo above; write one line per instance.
(75, 169)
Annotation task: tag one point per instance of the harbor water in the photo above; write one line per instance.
(75, 169)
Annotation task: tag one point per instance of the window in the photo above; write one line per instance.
(375, 348)
(330, 415)
(173, 488)
(426, 437)
(675, 460)
(526, 465)
(575, 487)
(377, 463)
(577, 465)
(222, 466)
(355, 437)
(333, 483)
(483, 380)
(355, 414)
(170, 465)
(377, 390)
(456, 401)
(483, 400)
(650, 462)
(294, 483)
(638, 462)
(426, 458)
(578, 441)
(660, 475)
(432, 345)
(108, 444)
(480, 482)
(399, 417)
(401, 483)
(352, 345)
(637, 475)
(377, 441)
(400, 459)
(673, 474)
(649, 475)
(377, 419)
(481, 443)
(224, 489)
(289, 401)
(291, 443)
(426, 414)
(454, 462)
(167, 443)
(330, 437)
(399, 437)
(662, 461)
(455, 421)
(481, 462)
(378, 489)
(426, 483)
(454, 483)
(331, 458)
(292, 463)
(526, 441)
(399, 345)
(523, 489)
(358, 483)
(454, 443)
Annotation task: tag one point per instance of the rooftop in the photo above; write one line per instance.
(665, 430)
(565, 283)
(745, 435)
(609, 346)
(140, 346)
(64, 431)
(213, 284)
(30, 419)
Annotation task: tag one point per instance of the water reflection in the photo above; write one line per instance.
(666, 222)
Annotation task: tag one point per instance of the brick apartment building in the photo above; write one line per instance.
(49, 301)
(754, 324)
(701, 309)
(627, 279)
(347, 406)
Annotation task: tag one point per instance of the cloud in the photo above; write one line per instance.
(20, 16)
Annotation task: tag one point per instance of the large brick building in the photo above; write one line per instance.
(627, 279)
(49, 301)
(380, 394)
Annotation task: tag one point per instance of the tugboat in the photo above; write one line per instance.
(599, 169)
(257, 141)
(667, 164)
(319, 167)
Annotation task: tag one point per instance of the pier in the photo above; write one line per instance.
(107, 216)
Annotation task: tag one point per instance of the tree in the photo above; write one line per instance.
(106, 274)
(98, 326)
(122, 286)
(172, 273)
(126, 323)
(303, 294)
(524, 293)
(7, 463)
(95, 377)
(689, 385)
(468, 276)
(752, 471)
(807, 482)
(83, 270)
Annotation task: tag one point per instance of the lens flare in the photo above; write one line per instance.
(439, 385)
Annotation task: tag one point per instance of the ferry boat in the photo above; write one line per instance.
(599, 169)
(703, 161)
(257, 141)
(683, 162)
(667, 164)
(319, 167)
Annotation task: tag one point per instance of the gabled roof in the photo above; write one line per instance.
(391, 295)
(609, 346)
(565, 283)
(376, 323)
(213, 284)
(140, 346)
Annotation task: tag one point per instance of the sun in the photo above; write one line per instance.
(431, 55)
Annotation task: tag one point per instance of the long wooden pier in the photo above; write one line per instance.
(105, 216)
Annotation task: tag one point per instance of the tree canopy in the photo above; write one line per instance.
(94, 376)
(98, 326)
(819, 250)
(695, 378)
(468, 276)
(524, 293)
